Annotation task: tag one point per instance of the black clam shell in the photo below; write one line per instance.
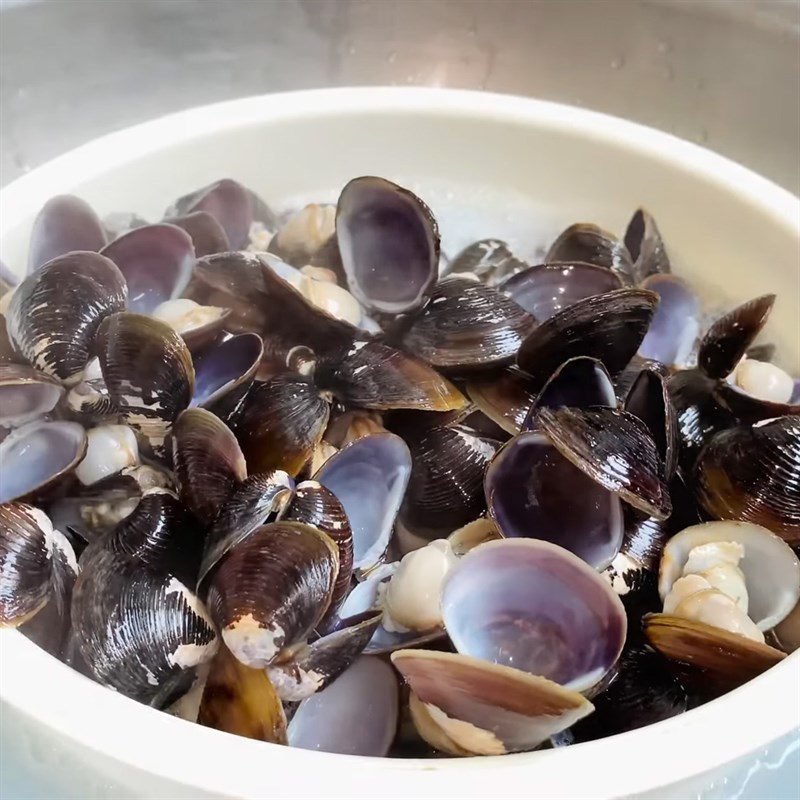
(490, 260)
(645, 246)
(504, 397)
(592, 245)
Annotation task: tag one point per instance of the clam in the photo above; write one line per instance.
(545, 289)
(645, 246)
(467, 325)
(304, 234)
(270, 590)
(445, 487)
(615, 449)
(55, 312)
(156, 261)
(532, 491)
(207, 460)
(389, 244)
(369, 478)
(148, 371)
(280, 423)
(317, 506)
(609, 327)
(241, 700)
(592, 245)
(676, 323)
(491, 260)
(758, 390)
(625, 379)
(357, 714)
(505, 397)
(8, 353)
(466, 706)
(345, 427)
(198, 325)
(534, 606)
(89, 401)
(109, 450)
(25, 394)
(38, 455)
(752, 473)
(208, 236)
(370, 374)
(65, 224)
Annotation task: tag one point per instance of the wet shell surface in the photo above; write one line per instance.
(676, 322)
(593, 245)
(645, 246)
(504, 398)
(25, 394)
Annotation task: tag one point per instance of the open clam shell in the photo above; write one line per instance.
(609, 327)
(156, 261)
(615, 449)
(356, 715)
(199, 326)
(504, 398)
(749, 408)
(591, 244)
(752, 473)
(55, 313)
(389, 244)
(484, 708)
(241, 700)
(490, 260)
(474, 533)
(545, 289)
(208, 236)
(369, 478)
(676, 324)
(536, 606)
(25, 394)
(645, 246)
(38, 455)
(771, 569)
(110, 449)
(467, 325)
(65, 224)
(270, 590)
(532, 491)
(727, 340)
(727, 659)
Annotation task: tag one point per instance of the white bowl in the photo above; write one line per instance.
(530, 168)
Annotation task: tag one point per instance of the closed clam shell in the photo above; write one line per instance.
(270, 590)
(25, 394)
(207, 460)
(545, 289)
(208, 236)
(645, 246)
(467, 325)
(537, 607)
(241, 700)
(148, 371)
(593, 245)
(505, 397)
(752, 473)
(65, 224)
(389, 244)
(727, 340)
(532, 491)
(484, 708)
(55, 313)
(38, 455)
(490, 260)
(609, 327)
(156, 261)
(676, 324)
(615, 449)
(280, 423)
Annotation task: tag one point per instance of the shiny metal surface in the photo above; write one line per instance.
(725, 73)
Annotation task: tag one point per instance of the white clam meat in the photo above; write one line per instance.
(763, 380)
(184, 315)
(110, 449)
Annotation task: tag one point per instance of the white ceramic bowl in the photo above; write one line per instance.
(529, 168)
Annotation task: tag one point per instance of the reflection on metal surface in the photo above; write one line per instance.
(724, 73)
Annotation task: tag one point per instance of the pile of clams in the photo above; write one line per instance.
(306, 479)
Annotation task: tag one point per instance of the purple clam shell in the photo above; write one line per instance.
(534, 606)
(676, 322)
(224, 367)
(533, 492)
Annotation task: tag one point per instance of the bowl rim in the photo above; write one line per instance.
(76, 708)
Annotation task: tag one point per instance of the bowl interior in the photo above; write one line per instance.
(488, 166)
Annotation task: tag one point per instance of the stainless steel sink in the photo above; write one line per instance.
(725, 73)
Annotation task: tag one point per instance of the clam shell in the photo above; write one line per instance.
(38, 455)
(55, 312)
(207, 460)
(676, 323)
(504, 398)
(765, 554)
(532, 491)
(592, 245)
(156, 261)
(483, 708)
(280, 423)
(148, 371)
(787, 632)
(467, 325)
(645, 246)
(615, 449)
(727, 340)
(608, 327)
(271, 590)
(475, 533)
(625, 379)
(752, 474)
(369, 478)
(25, 394)
(545, 289)
(389, 244)
(747, 408)
(208, 236)
(241, 700)
(356, 715)
(304, 233)
(491, 260)
(65, 224)
(536, 606)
